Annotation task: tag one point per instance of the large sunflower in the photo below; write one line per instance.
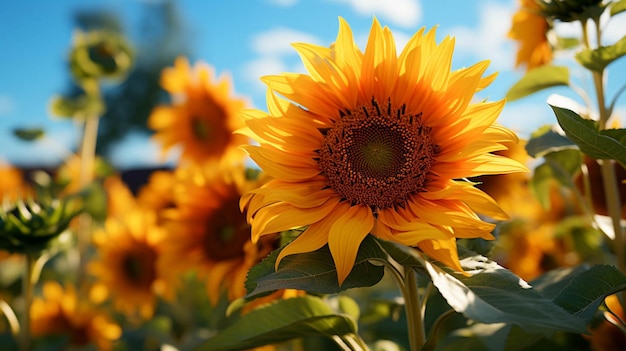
(529, 29)
(202, 116)
(371, 142)
(208, 234)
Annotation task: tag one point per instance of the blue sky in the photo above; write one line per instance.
(248, 39)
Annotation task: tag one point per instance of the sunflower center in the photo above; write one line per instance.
(226, 232)
(139, 266)
(201, 128)
(377, 156)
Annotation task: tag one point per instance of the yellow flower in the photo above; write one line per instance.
(62, 312)
(202, 116)
(12, 186)
(127, 270)
(157, 194)
(529, 28)
(208, 233)
(375, 143)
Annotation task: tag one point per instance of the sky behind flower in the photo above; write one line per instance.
(246, 40)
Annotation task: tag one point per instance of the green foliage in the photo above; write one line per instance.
(618, 7)
(29, 134)
(30, 227)
(587, 290)
(280, 321)
(546, 140)
(598, 59)
(593, 142)
(314, 272)
(537, 79)
(81, 106)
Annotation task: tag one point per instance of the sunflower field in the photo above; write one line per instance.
(375, 202)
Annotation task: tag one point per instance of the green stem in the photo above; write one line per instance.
(14, 323)
(611, 190)
(413, 307)
(27, 295)
(87, 161)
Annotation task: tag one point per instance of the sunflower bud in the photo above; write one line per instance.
(99, 54)
(571, 10)
(30, 226)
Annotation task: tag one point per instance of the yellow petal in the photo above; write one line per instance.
(443, 251)
(346, 235)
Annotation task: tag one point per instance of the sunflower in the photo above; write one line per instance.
(157, 194)
(13, 185)
(375, 143)
(202, 116)
(208, 233)
(530, 29)
(61, 312)
(127, 271)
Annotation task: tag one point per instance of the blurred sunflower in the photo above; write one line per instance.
(208, 233)
(374, 143)
(530, 29)
(607, 336)
(157, 194)
(126, 269)
(13, 185)
(61, 312)
(202, 116)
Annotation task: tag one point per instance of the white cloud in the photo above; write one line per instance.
(525, 117)
(275, 54)
(137, 150)
(489, 40)
(278, 41)
(284, 3)
(404, 13)
(7, 105)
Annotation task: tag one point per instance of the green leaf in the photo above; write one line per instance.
(551, 283)
(538, 79)
(540, 184)
(314, 272)
(493, 294)
(546, 140)
(588, 289)
(28, 134)
(598, 59)
(618, 7)
(585, 134)
(564, 164)
(280, 321)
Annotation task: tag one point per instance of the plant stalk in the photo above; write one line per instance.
(27, 295)
(413, 307)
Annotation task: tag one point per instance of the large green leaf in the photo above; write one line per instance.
(280, 321)
(598, 59)
(538, 79)
(618, 7)
(314, 272)
(493, 294)
(588, 289)
(546, 140)
(551, 283)
(592, 142)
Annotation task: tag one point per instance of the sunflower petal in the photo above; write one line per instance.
(346, 235)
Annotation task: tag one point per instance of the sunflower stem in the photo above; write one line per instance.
(413, 307)
(609, 179)
(87, 161)
(27, 295)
